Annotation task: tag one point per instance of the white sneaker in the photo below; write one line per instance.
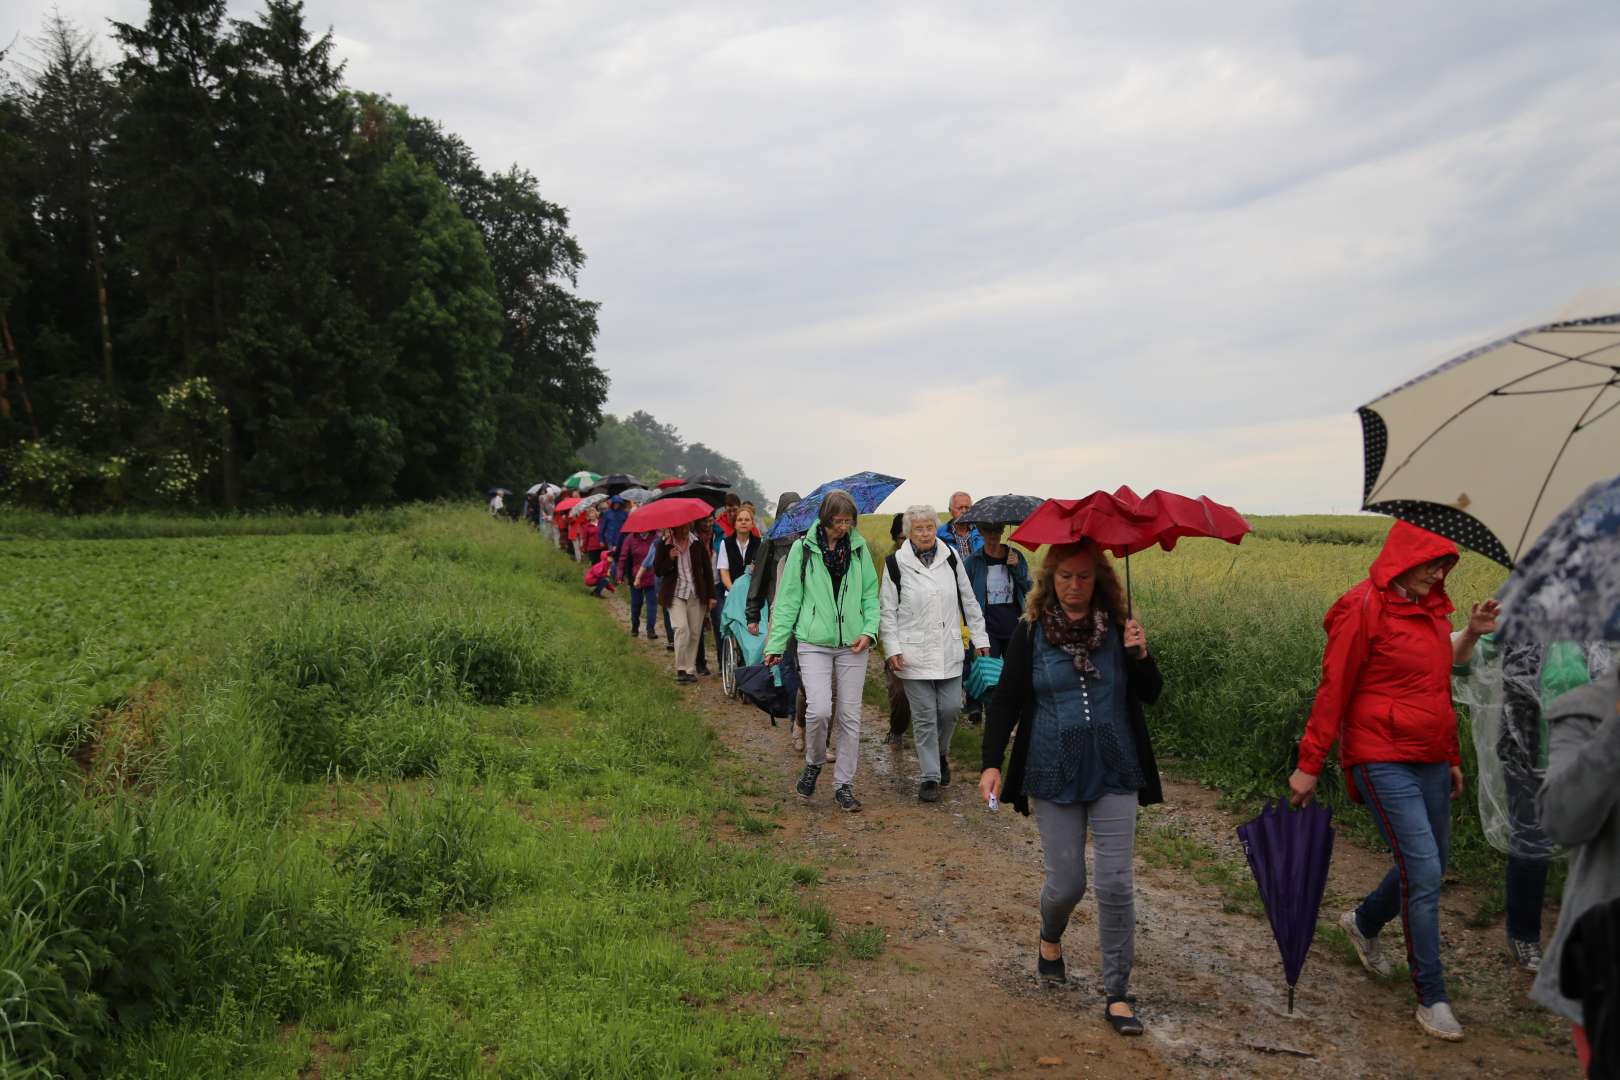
(1438, 1020)
(1367, 948)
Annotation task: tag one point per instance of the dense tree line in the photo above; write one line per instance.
(225, 277)
(642, 446)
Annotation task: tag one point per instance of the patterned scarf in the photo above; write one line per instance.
(1077, 637)
(835, 556)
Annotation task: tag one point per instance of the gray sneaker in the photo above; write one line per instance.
(1367, 948)
(1438, 1020)
(1526, 955)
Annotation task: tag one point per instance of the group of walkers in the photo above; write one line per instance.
(1076, 677)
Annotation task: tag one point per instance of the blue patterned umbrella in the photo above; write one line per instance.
(1567, 587)
(1289, 852)
(868, 489)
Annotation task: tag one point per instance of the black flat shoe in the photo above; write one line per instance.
(1123, 1025)
(1051, 972)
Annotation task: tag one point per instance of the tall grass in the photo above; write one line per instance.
(172, 899)
(18, 523)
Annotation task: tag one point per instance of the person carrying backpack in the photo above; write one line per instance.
(827, 600)
(925, 598)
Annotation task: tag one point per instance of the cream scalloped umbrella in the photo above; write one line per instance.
(1488, 448)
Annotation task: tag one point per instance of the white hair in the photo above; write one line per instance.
(963, 494)
(921, 512)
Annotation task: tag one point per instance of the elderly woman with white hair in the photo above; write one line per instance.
(926, 597)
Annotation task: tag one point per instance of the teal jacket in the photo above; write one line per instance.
(806, 608)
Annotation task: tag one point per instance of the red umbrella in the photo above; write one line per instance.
(1124, 523)
(666, 514)
(670, 481)
(566, 505)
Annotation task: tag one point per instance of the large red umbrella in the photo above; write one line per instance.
(566, 505)
(1123, 523)
(666, 514)
(670, 482)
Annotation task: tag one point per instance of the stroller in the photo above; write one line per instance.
(739, 648)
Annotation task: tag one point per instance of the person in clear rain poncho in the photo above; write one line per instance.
(1507, 690)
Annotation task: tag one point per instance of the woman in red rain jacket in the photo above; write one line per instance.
(1385, 698)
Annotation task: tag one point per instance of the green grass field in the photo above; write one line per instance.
(382, 802)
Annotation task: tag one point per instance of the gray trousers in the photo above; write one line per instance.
(935, 705)
(1112, 821)
(821, 712)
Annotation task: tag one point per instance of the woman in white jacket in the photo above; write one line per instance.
(926, 597)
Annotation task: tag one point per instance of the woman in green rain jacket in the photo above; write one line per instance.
(827, 601)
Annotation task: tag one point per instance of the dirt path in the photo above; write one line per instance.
(954, 887)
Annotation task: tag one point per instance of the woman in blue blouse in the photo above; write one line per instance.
(1074, 680)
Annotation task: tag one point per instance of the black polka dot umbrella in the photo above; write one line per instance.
(1489, 448)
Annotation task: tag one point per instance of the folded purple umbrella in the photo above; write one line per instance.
(1289, 852)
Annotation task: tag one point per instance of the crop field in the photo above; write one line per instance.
(1238, 632)
(367, 803)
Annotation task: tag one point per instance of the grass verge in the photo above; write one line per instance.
(411, 732)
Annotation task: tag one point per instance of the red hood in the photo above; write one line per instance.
(1407, 546)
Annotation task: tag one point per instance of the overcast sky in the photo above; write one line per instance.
(1042, 248)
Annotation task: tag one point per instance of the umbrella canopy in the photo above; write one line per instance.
(587, 503)
(1000, 510)
(1567, 586)
(566, 505)
(536, 489)
(494, 491)
(868, 489)
(613, 483)
(1488, 448)
(1289, 852)
(714, 496)
(637, 495)
(582, 479)
(711, 480)
(666, 514)
(670, 482)
(1123, 523)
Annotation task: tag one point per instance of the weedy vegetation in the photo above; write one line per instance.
(245, 776)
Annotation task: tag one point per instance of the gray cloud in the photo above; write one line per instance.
(1045, 247)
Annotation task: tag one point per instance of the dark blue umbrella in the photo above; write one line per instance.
(1001, 510)
(868, 489)
(1567, 586)
(1289, 852)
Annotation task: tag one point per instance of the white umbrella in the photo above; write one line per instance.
(536, 489)
(1489, 448)
(587, 503)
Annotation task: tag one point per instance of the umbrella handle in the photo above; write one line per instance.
(1130, 607)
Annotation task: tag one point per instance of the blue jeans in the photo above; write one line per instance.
(644, 597)
(1411, 805)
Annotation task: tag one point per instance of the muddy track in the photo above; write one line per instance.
(954, 887)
